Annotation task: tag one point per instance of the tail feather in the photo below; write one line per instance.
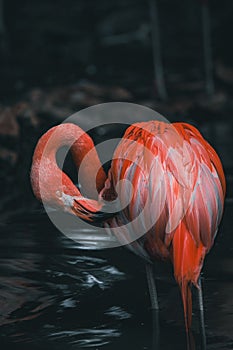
(187, 260)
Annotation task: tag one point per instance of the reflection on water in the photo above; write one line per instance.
(53, 295)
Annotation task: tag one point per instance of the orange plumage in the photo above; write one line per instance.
(187, 169)
(170, 166)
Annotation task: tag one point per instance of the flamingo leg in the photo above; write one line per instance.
(152, 287)
(201, 315)
(154, 305)
(156, 330)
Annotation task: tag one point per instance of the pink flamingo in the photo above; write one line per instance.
(183, 168)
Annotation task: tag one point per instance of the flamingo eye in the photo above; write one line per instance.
(59, 194)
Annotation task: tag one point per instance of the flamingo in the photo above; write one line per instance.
(182, 177)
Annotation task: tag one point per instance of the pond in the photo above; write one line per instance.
(56, 296)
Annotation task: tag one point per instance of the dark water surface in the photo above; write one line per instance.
(54, 295)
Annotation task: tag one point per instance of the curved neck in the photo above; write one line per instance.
(91, 175)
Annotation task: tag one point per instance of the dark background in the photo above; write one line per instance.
(57, 57)
(45, 43)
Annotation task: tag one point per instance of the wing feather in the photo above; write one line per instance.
(177, 172)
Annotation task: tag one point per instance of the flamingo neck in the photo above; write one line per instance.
(92, 175)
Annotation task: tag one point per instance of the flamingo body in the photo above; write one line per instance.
(169, 165)
(186, 183)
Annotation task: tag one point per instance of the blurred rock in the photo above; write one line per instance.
(15, 122)
(9, 118)
(8, 156)
(61, 102)
(121, 94)
(214, 103)
(49, 102)
(8, 122)
(24, 111)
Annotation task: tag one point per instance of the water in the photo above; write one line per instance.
(54, 295)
